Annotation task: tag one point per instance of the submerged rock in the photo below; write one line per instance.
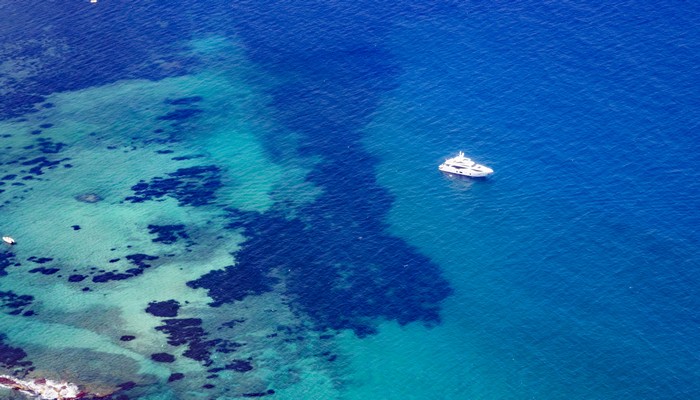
(88, 197)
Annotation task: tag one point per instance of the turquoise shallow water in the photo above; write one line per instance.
(225, 201)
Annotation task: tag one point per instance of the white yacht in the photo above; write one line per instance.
(464, 166)
(9, 240)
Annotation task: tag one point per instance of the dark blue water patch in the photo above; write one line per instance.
(45, 126)
(341, 267)
(164, 151)
(168, 308)
(130, 30)
(9, 177)
(163, 357)
(168, 234)
(36, 132)
(14, 359)
(184, 101)
(44, 270)
(15, 304)
(127, 338)
(76, 227)
(176, 376)
(193, 186)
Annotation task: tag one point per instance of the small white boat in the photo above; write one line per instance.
(8, 240)
(464, 166)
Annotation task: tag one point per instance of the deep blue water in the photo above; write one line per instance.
(571, 273)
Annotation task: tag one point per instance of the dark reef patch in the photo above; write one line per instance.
(115, 276)
(180, 114)
(44, 270)
(76, 278)
(189, 331)
(234, 283)
(167, 308)
(163, 357)
(340, 265)
(127, 385)
(184, 101)
(343, 274)
(233, 322)
(259, 394)
(167, 234)
(47, 146)
(139, 260)
(40, 163)
(239, 366)
(76, 227)
(39, 260)
(183, 158)
(7, 259)
(14, 304)
(193, 186)
(175, 376)
(13, 358)
(127, 338)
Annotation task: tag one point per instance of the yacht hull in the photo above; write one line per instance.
(461, 172)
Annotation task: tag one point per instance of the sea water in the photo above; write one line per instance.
(222, 200)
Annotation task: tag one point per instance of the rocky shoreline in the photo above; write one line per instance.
(46, 389)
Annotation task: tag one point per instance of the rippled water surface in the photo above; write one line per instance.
(224, 200)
